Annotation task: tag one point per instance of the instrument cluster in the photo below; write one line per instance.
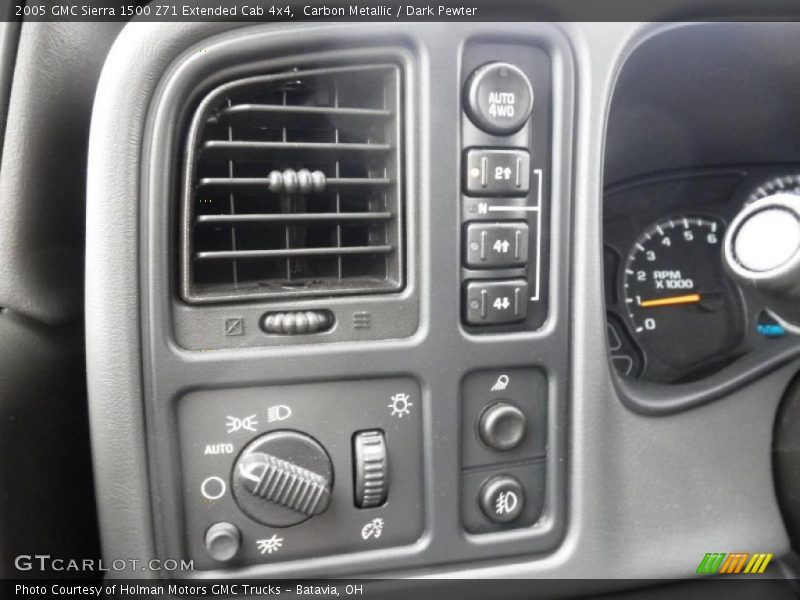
(674, 315)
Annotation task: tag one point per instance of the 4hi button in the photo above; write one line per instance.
(502, 499)
(499, 98)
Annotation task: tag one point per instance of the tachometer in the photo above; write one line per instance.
(682, 307)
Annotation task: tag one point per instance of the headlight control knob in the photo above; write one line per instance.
(283, 478)
(762, 252)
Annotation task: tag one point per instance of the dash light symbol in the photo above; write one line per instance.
(270, 545)
(400, 405)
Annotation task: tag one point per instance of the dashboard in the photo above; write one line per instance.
(523, 356)
(379, 299)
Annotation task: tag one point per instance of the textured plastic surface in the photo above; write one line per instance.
(47, 77)
(45, 472)
(42, 175)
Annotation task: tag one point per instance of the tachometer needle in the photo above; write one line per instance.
(671, 301)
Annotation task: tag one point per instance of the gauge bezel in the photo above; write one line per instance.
(719, 192)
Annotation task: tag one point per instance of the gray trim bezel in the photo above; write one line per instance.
(438, 356)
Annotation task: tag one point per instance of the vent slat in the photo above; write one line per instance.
(292, 186)
(263, 182)
(292, 252)
(293, 217)
(308, 150)
(277, 115)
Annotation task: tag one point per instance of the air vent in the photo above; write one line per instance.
(293, 186)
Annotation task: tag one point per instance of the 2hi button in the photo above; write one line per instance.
(499, 98)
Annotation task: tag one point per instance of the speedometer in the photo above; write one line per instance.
(683, 309)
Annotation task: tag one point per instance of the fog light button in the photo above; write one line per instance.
(502, 499)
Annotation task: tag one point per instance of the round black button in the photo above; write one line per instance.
(502, 499)
(502, 426)
(223, 541)
(499, 98)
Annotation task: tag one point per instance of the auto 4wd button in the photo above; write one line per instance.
(499, 98)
